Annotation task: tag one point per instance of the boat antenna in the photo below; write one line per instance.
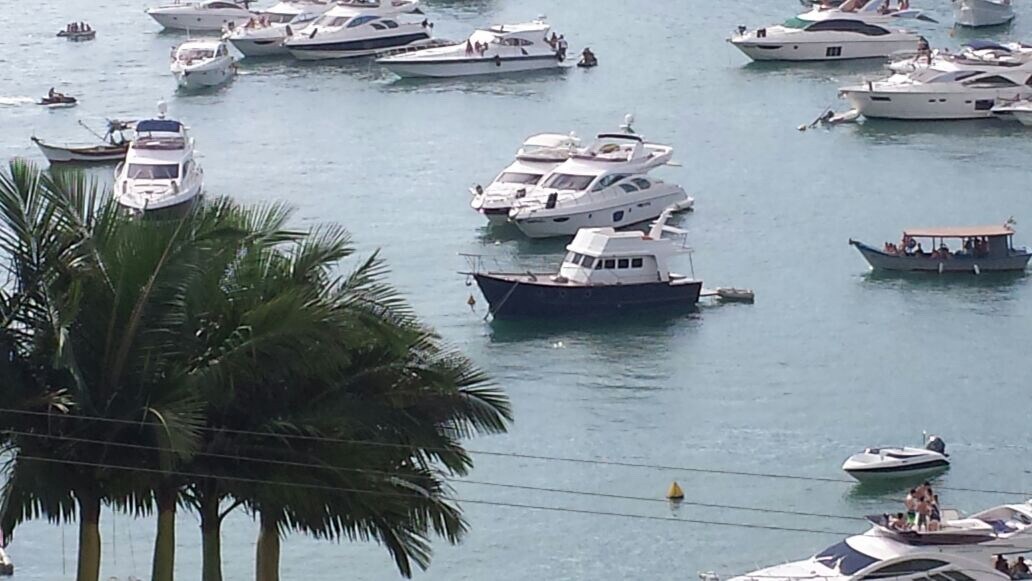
(656, 232)
(162, 109)
(628, 122)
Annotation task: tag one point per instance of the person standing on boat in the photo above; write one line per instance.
(563, 46)
(1020, 570)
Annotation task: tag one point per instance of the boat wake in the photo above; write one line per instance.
(16, 101)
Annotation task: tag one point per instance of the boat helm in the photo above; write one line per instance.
(935, 444)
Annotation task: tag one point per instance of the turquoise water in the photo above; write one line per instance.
(829, 359)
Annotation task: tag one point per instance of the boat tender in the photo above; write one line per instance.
(981, 249)
(897, 462)
(605, 272)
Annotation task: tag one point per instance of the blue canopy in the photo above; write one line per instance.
(165, 125)
(984, 44)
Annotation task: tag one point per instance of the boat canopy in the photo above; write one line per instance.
(162, 125)
(960, 232)
(985, 44)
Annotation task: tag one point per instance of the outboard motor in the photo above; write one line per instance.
(935, 444)
(552, 199)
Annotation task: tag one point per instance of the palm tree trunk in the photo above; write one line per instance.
(211, 538)
(165, 543)
(89, 538)
(267, 554)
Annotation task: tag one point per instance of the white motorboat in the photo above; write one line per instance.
(1020, 111)
(209, 15)
(264, 35)
(973, 55)
(355, 28)
(538, 156)
(938, 94)
(496, 50)
(982, 12)
(896, 462)
(159, 172)
(199, 64)
(823, 40)
(603, 185)
(1006, 528)
(112, 149)
(869, 11)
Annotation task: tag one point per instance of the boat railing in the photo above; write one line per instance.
(417, 46)
(538, 264)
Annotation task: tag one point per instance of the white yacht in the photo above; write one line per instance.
(159, 171)
(982, 12)
(355, 28)
(896, 462)
(499, 49)
(209, 15)
(198, 64)
(538, 156)
(604, 185)
(869, 11)
(940, 94)
(973, 55)
(823, 40)
(264, 35)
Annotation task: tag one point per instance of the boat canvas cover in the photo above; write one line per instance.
(985, 44)
(959, 232)
(163, 125)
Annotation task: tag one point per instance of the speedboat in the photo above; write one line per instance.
(823, 40)
(873, 555)
(159, 172)
(113, 148)
(209, 15)
(868, 11)
(264, 34)
(355, 28)
(889, 462)
(932, 93)
(198, 64)
(605, 271)
(1019, 110)
(982, 12)
(603, 185)
(979, 249)
(1005, 527)
(973, 55)
(538, 156)
(499, 49)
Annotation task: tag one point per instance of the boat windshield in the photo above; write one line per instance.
(844, 559)
(192, 54)
(934, 76)
(795, 22)
(515, 177)
(274, 18)
(147, 171)
(562, 181)
(330, 20)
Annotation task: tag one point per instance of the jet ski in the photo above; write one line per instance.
(896, 462)
(58, 100)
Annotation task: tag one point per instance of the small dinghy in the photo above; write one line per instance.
(78, 36)
(893, 462)
(112, 149)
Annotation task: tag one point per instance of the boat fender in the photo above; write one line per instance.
(314, 31)
(551, 201)
(521, 193)
(761, 33)
(674, 492)
(941, 266)
(498, 60)
(290, 31)
(977, 270)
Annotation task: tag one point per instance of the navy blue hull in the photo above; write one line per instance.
(363, 45)
(511, 299)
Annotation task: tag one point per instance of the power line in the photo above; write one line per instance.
(616, 463)
(329, 488)
(450, 479)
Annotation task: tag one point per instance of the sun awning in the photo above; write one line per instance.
(959, 232)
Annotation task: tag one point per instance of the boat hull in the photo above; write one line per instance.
(891, 472)
(1016, 261)
(304, 49)
(412, 68)
(148, 203)
(177, 19)
(976, 13)
(260, 46)
(1023, 117)
(930, 106)
(774, 49)
(199, 78)
(617, 216)
(513, 297)
(94, 154)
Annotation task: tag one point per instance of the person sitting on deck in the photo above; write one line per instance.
(884, 8)
(919, 251)
(1001, 565)
(1020, 570)
(898, 522)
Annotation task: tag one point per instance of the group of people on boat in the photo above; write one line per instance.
(559, 45)
(977, 247)
(476, 47)
(922, 511)
(1019, 570)
(886, 9)
(77, 27)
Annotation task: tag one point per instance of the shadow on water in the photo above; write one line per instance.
(518, 84)
(1001, 282)
(966, 33)
(627, 325)
(892, 132)
(892, 488)
(815, 70)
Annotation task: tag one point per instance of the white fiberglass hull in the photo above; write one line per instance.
(411, 67)
(314, 49)
(617, 216)
(929, 106)
(982, 12)
(1024, 117)
(204, 76)
(174, 18)
(142, 199)
(784, 49)
(260, 46)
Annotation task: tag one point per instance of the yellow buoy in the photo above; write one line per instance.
(675, 492)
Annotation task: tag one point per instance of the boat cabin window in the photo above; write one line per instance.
(610, 263)
(516, 42)
(856, 26)
(192, 54)
(957, 576)
(360, 20)
(606, 181)
(327, 20)
(221, 5)
(636, 262)
(147, 171)
(909, 567)
(642, 183)
(623, 263)
(515, 177)
(991, 82)
(378, 26)
(629, 188)
(844, 558)
(562, 181)
(279, 18)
